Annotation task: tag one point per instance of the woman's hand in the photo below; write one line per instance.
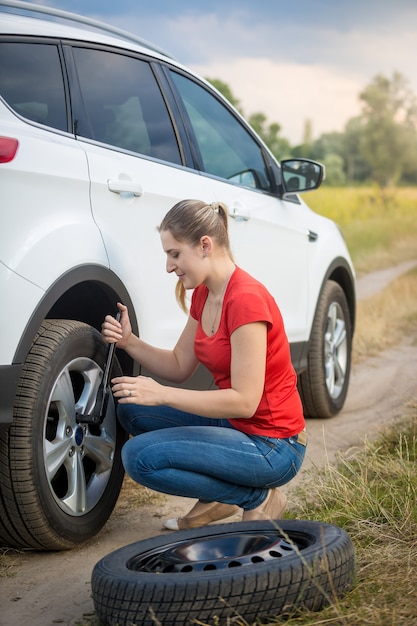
(137, 390)
(113, 331)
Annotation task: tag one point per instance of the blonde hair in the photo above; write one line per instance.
(190, 220)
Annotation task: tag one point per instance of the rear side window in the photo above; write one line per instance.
(122, 104)
(31, 82)
(226, 148)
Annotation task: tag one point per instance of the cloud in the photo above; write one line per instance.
(292, 61)
(291, 69)
(290, 93)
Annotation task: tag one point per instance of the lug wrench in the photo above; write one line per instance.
(98, 413)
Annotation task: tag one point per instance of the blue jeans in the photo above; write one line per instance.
(188, 455)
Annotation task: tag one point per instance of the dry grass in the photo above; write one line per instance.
(373, 495)
(133, 496)
(385, 318)
(9, 561)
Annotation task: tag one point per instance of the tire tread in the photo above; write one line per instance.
(310, 579)
(23, 520)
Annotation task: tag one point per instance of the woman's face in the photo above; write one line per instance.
(186, 261)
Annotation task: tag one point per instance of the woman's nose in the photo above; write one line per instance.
(170, 266)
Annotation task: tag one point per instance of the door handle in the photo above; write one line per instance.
(239, 213)
(125, 187)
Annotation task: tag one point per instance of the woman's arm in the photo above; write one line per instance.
(176, 365)
(248, 365)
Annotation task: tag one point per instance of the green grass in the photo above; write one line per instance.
(380, 229)
(373, 496)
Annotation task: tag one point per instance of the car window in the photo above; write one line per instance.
(226, 148)
(122, 104)
(31, 82)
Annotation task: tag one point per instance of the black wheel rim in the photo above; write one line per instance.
(218, 552)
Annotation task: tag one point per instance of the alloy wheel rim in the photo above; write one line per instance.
(78, 458)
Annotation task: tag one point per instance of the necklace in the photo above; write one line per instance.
(213, 321)
(216, 312)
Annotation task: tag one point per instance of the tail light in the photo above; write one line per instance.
(8, 149)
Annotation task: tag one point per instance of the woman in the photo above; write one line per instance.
(228, 447)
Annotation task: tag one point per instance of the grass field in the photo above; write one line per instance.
(374, 497)
(380, 229)
(382, 321)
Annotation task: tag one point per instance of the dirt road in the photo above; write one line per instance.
(54, 588)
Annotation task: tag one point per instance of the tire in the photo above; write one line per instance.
(271, 569)
(324, 385)
(59, 479)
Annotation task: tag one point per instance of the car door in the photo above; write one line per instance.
(137, 175)
(268, 235)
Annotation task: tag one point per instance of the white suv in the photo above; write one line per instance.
(100, 135)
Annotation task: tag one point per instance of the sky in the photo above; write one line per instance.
(293, 60)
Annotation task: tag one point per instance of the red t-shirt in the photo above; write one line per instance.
(280, 412)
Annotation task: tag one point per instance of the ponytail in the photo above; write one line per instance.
(188, 221)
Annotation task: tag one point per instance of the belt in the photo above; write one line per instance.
(302, 438)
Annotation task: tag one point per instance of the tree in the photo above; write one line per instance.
(269, 133)
(335, 176)
(356, 168)
(226, 92)
(389, 127)
(380, 144)
(308, 133)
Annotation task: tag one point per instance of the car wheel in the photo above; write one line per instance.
(59, 479)
(253, 570)
(323, 386)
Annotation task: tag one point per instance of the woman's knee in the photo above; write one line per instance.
(141, 456)
(128, 457)
(132, 459)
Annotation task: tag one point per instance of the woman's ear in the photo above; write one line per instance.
(206, 245)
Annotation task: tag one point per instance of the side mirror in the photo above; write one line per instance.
(299, 175)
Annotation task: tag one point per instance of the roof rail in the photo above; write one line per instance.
(86, 21)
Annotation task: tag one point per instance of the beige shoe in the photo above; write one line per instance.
(201, 514)
(272, 508)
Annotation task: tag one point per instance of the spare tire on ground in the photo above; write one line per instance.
(255, 569)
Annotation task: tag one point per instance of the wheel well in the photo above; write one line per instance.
(85, 302)
(340, 272)
(90, 302)
(344, 278)
(87, 294)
